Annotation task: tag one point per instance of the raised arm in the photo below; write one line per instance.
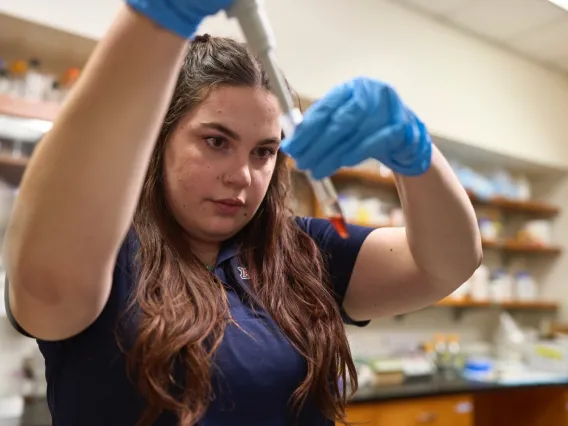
(397, 269)
(404, 269)
(79, 192)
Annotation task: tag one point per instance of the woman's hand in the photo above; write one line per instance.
(360, 119)
(179, 16)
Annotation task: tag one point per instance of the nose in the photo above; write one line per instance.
(239, 174)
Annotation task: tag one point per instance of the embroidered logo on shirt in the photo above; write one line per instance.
(243, 273)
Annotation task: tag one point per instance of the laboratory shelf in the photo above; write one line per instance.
(24, 108)
(370, 177)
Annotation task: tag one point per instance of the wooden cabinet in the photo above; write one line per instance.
(565, 408)
(443, 411)
(524, 406)
(363, 414)
(455, 410)
(531, 406)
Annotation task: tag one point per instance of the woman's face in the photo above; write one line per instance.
(219, 161)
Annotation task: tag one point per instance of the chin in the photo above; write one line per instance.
(223, 229)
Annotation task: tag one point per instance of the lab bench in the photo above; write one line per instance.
(455, 402)
(461, 403)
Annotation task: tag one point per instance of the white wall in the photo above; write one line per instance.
(463, 88)
(89, 19)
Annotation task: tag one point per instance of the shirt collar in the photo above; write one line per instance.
(229, 249)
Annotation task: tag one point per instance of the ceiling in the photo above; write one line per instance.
(537, 29)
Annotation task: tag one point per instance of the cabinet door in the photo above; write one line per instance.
(362, 414)
(443, 411)
(565, 408)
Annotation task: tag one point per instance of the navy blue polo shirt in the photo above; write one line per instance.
(257, 368)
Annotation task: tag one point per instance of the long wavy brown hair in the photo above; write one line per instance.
(181, 306)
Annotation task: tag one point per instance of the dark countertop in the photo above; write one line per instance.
(37, 413)
(437, 387)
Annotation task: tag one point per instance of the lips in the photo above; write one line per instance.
(229, 206)
(234, 202)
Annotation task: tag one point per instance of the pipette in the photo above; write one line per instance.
(260, 38)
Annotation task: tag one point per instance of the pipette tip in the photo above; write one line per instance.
(340, 225)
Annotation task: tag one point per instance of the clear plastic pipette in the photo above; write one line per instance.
(260, 38)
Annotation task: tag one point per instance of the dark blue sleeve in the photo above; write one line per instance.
(9, 314)
(339, 254)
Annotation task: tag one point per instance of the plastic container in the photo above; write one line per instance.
(68, 80)
(523, 188)
(537, 231)
(478, 369)
(5, 83)
(501, 286)
(455, 352)
(525, 287)
(489, 229)
(11, 410)
(35, 81)
(349, 203)
(479, 284)
(18, 71)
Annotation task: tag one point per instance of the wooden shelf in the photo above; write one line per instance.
(459, 306)
(24, 108)
(520, 247)
(365, 176)
(467, 303)
(527, 207)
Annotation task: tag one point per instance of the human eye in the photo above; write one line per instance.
(264, 152)
(216, 142)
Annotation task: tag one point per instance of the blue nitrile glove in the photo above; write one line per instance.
(179, 16)
(357, 120)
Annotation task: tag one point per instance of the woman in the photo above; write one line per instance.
(167, 283)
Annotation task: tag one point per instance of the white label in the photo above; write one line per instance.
(464, 407)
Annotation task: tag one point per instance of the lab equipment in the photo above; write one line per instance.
(181, 17)
(525, 287)
(479, 370)
(260, 39)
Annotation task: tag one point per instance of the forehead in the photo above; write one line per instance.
(240, 106)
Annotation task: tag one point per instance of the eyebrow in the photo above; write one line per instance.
(234, 135)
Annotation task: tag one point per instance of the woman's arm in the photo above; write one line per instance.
(80, 190)
(441, 225)
(403, 269)
(396, 269)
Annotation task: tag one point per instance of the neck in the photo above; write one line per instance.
(206, 252)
